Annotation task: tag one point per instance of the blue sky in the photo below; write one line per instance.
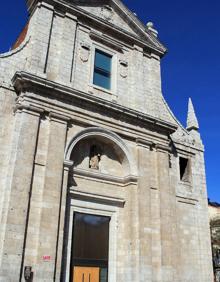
(191, 31)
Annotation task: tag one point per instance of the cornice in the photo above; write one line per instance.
(105, 178)
(147, 41)
(28, 109)
(24, 82)
(113, 201)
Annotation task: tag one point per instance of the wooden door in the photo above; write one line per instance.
(86, 274)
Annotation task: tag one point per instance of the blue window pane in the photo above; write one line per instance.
(103, 61)
(102, 70)
(102, 80)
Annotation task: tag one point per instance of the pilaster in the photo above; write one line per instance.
(144, 206)
(16, 204)
(167, 214)
(60, 265)
(51, 199)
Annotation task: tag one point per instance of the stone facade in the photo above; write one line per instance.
(214, 217)
(149, 177)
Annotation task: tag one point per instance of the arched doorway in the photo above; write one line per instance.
(102, 167)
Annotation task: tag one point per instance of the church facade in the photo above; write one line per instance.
(98, 179)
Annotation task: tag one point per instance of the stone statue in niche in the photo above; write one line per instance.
(95, 157)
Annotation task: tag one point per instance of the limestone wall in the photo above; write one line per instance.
(159, 230)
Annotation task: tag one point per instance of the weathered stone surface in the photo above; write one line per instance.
(51, 115)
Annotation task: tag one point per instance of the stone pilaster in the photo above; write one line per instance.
(61, 240)
(16, 204)
(51, 200)
(155, 220)
(167, 205)
(144, 205)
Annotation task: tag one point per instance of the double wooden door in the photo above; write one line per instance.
(86, 274)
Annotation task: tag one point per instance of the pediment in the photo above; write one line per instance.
(118, 15)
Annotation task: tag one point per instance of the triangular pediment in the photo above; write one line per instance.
(117, 14)
(106, 11)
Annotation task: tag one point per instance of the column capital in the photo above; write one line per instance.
(59, 117)
(28, 109)
(68, 164)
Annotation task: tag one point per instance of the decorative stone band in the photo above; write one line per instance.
(27, 108)
(152, 145)
(24, 81)
(119, 202)
(39, 111)
(59, 118)
(98, 36)
(106, 178)
(186, 200)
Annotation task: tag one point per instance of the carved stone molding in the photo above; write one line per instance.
(84, 52)
(107, 13)
(58, 118)
(106, 178)
(186, 200)
(22, 81)
(123, 68)
(113, 201)
(28, 109)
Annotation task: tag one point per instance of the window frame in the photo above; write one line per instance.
(111, 53)
(188, 168)
(102, 71)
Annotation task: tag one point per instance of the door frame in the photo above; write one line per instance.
(87, 207)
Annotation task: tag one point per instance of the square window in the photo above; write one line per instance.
(102, 70)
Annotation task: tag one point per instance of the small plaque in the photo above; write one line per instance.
(46, 258)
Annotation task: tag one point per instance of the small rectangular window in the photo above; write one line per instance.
(184, 167)
(102, 69)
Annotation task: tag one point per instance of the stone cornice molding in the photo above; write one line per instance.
(144, 143)
(106, 178)
(187, 200)
(153, 145)
(28, 108)
(163, 148)
(58, 118)
(113, 201)
(23, 82)
(146, 40)
(107, 40)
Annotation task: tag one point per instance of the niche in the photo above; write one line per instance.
(98, 154)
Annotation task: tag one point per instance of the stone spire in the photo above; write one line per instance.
(192, 121)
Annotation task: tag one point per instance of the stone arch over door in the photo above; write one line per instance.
(108, 196)
(109, 138)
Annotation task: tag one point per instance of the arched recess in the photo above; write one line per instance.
(109, 137)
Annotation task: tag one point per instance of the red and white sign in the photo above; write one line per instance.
(46, 258)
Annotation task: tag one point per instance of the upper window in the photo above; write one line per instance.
(184, 165)
(102, 70)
